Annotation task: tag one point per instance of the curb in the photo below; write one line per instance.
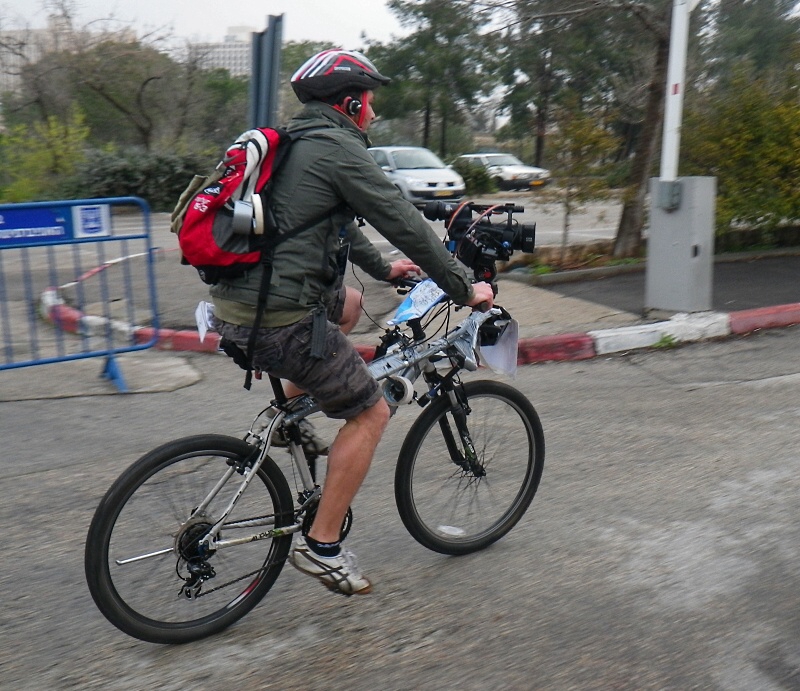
(520, 272)
(746, 321)
(680, 328)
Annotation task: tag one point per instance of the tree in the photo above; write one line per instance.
(581, 151)
(438, 70)
(757, 35)
(117, 82)
(133, 94)
(749, 139)
(36, 159)
(604, 43)
(210, 108)
(628, 240)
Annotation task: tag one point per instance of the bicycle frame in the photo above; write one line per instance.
(459, 344)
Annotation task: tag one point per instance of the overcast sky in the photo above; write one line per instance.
(339, 21)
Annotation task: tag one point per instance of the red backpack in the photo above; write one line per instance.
(221, 224)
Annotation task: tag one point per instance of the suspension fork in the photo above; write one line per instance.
(463, 454)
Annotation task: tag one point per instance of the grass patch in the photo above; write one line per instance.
(666, 342)
(625, 261)
(542, 269)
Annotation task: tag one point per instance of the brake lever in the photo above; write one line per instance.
(404, 285)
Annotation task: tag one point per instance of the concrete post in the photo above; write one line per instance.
(680, 247)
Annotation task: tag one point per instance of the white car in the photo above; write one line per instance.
(419, 174)
(508, 171)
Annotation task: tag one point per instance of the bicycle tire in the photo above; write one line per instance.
(146, 511)
(456, 511)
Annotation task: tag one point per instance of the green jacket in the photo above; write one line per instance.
(324, 169)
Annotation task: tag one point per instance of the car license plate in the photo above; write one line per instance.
(537, 183)
(441, 193)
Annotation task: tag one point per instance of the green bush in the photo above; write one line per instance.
(157, 177)
(476, 178)
(749, 139)
(36, 159)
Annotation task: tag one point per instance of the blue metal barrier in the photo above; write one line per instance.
(86, 266)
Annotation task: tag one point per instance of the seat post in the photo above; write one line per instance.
(277, 388)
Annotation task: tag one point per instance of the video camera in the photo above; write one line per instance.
(480, 243)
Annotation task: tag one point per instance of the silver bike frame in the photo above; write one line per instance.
(407, 362)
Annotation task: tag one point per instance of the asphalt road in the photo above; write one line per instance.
(739, 285)
(661, 552)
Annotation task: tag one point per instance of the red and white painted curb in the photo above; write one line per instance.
(681, 328)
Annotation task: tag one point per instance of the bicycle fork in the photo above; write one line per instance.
(467, 459)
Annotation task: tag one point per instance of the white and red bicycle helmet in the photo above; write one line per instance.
(333, 71)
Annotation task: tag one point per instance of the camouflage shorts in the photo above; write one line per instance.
(340, 383)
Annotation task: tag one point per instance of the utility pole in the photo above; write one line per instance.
(676, 86)
(680, 244)
(265, 74)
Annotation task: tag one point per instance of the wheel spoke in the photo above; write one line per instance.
(149, 555)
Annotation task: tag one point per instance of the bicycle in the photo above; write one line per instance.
(194, 534)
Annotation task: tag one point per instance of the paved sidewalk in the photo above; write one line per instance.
(594, 313)
(599, 313)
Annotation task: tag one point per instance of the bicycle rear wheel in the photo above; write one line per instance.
(143, 541)
(455, 501)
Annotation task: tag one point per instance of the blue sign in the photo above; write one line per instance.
(34, 225)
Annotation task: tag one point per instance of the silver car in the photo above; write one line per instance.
(419, 174)
(508, 171)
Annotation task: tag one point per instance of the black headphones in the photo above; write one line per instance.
(352, 106)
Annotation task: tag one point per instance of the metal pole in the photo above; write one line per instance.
(676, 75)
(265, 75)
(669, 188)
(276, 25)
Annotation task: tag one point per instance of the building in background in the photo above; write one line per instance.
(21, 47)
(232, 54)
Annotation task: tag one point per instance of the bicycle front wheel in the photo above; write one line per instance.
(463, 481)
(145, 566)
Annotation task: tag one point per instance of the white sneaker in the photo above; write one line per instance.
(339, 573)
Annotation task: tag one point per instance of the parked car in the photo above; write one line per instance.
(419, 174)
(508, 171)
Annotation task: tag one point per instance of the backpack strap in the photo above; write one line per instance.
(267, 257)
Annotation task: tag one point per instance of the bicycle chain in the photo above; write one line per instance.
(236, 580)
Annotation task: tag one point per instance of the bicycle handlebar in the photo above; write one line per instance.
(406, 284)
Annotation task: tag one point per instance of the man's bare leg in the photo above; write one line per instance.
(348, 462)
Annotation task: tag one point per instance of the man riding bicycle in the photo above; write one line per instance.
(302, 337)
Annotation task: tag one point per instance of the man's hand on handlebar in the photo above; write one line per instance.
(482, 296)
(403, 268)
